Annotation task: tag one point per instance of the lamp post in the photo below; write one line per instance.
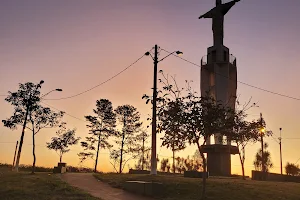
(153, 141)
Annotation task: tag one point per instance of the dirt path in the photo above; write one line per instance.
(91, 185)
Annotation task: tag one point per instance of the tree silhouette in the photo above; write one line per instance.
(143, 161)
(292, 169)
(266, 158)
(101, 128)
(26, 103)
(164, 165)
(65, 138)
(197, 118)
(127, 139)
(244, 132)
(41, 118)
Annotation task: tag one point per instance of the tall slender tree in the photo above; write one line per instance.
(101, 128)
(127, 139)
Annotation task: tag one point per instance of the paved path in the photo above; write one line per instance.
(88, 183)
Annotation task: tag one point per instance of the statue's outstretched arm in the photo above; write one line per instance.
(227, 6)
(209, 14)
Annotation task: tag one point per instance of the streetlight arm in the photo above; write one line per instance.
(149, 54)
(166, 56)
(59, 90)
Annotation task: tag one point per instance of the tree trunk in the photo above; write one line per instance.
(143, 158)
(242, 164)
(121, 157)
(33, 152)
(60, 157)
(173, 161)
(21, 140)
(122, 145)
(33, 145)
(98, 148)
(204, 172)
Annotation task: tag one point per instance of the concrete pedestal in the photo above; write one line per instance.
(61, 168)
(218, 159)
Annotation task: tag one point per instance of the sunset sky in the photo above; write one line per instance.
(76, 44)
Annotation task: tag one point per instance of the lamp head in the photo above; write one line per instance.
(179, 53)
(58, 89)
(147, 53)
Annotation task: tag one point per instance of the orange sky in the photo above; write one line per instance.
(75, 45)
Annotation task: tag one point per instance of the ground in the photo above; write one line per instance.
(41, 186)
(90, 184)
(180, 188)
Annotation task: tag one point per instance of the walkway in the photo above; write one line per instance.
(88, 183)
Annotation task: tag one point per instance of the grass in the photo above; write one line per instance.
(28, 168)
(180, 188)
(41, 186)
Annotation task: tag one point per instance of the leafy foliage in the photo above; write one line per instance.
(292, 169)
(182, 164)
(65, 138)
(195, 118)
(266, 158)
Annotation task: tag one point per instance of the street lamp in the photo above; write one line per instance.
(153, 141)
(58, 90)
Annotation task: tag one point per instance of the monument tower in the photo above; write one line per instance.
(219, 80)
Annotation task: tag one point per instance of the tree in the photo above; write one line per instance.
(171, 129)
(266, 158)
(198, 118)
(164, 165)
(65, 138)
(101, 128)
(41, 118)
(143, 160)
(25, 102)
(244, 132)
(292, 169)
(127, 139)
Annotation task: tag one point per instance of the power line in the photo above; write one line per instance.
(249, 85)
(64, 112)
(72, 96)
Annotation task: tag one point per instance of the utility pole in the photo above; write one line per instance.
(280, 151)
(153, 145)
(13, 164)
